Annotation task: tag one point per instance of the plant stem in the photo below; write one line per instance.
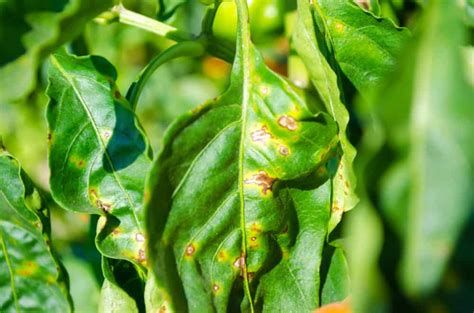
(161, 29)
(182, 49)
(125, 16)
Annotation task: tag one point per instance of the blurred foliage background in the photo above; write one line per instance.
(178, 87)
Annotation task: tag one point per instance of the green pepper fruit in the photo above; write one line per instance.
(266, 19)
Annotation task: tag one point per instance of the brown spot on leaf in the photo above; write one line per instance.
(162, 309)
(261, 179)
(256, 227)
(117, 94)
(253, 238)
(288, 122)
(335, 208)
(238, 262)
(215, 288)
(261, 135)
(139, 237)
(190, 249)
(106, 207)
(107, 134)
(283, 150)
(141, 256)
(222, 255)
(250, 276)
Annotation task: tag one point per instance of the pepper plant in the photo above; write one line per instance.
(339, 181)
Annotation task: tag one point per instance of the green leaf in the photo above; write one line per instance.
(293, 285)
(364, 229)
(239, 194)
(30, 30)
(31, 278)
(336, 281)
(426, 121)
(98, 153)
(326, 83)
(114, 298)
(364, 46)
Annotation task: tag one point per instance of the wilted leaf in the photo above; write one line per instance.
(31, 279)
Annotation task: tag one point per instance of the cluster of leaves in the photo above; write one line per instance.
(242, 207)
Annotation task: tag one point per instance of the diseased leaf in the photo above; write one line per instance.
(325, 81)
(364, 46)
(426, 120)
(31, 278)
(30, 30)
(238, 193)
(98, 153)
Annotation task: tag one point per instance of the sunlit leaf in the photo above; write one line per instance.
(240, 198)
(98, 154)
(364, 46)
(326, 83)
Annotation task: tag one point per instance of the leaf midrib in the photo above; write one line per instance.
(96, 131)
(243, 48)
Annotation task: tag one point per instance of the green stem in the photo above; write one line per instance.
(125, 16)
(182, 49)
(161, 29)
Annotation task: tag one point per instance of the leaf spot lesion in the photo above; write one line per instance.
(261, 135)
(139, 237)
(263, 180)
(190, 250)
(283, 150)
(99, 203)
(288, 122)
(141, 256)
